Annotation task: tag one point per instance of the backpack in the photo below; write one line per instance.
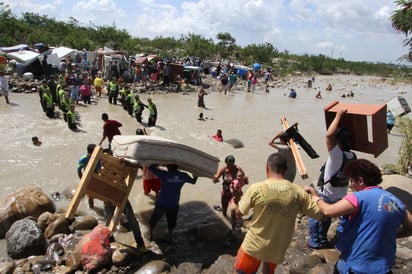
(338, 179)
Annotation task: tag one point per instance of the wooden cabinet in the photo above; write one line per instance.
(367, 123)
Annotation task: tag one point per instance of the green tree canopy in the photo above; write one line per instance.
(402, 21)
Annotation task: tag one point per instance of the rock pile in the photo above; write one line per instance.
(41, 240)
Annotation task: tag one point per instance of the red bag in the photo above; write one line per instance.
(95, 248)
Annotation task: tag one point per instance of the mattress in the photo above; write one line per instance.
(147, 150)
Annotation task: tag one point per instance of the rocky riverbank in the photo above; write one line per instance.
(207, 248)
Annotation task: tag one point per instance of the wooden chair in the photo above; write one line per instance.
(111, 183)
(296, 154)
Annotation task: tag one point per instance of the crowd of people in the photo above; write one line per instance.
(368, 218)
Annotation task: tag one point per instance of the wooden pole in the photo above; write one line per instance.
(296, 154)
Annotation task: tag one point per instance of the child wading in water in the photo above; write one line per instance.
(237, 193)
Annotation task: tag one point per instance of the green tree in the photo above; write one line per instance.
(196, 45)
(226, 43)
(262, 53)
(402, 21)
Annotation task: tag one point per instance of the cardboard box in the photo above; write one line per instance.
(367, 123)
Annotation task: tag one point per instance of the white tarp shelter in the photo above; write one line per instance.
(59, 53)
(26, 57)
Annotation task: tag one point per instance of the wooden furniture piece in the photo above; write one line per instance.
(366, 122)
(296, 154)
(111, 183)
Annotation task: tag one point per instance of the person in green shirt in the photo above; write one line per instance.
(113, 91)
(152, 113)
(71, 118)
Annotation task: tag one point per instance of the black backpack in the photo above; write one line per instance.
(338, 179)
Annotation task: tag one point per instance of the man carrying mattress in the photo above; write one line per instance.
(167, 201)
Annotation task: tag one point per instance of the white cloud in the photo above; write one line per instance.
(354, 28)
(28, 6)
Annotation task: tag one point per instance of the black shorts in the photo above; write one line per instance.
(171, 215)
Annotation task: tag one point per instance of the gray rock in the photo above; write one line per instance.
(58, 226)
(46, 218)
(186, 268)
(154, 267)
(223, 264)
(328, 255)
(27, 201)
(55, 251)
(304, 263)
(236, 143)
(322, 269)
(400, 186)
(122, 254)
(212, 231)
(24, 239)
(86, 223)
(404, 253)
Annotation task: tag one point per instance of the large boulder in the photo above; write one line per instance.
(25, 238)
(400, 186)
(25, 202)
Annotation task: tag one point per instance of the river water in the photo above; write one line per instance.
(252, 118)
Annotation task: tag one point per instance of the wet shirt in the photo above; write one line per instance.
(111, 128)
(172, 183)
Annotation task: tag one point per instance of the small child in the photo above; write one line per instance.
(237, 193)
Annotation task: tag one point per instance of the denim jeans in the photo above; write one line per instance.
(318, 230)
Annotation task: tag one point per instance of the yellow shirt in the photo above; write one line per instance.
(275, 205)
(98, 82)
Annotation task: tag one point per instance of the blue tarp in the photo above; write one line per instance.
(256, 66)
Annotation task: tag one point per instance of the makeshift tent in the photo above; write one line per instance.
(29, 60)
(62, 52)
(58, 54)
(26, 57)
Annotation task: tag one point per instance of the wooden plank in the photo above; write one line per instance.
(296, 154)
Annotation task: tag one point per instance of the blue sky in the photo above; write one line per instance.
(352, 29)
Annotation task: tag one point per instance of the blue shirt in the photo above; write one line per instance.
(390, 120)
(171, 185)
(367, 240)
(83, 161)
